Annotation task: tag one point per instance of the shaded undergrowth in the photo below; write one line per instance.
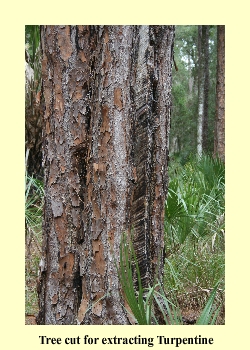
(33, 240)
(193, 283)
(195, 235)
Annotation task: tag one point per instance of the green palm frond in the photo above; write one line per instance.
(195, 198)
(209, 314)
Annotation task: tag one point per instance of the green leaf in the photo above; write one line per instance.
(208, 311)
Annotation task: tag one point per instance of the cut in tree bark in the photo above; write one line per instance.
(107, 93)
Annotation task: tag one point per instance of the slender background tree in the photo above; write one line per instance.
(194, 106)
(219, 140)
(205, 145)
(201, 84)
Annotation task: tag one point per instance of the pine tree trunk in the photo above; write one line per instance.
(107, 94)
(200, 92)
(219, 136)
(206, 89)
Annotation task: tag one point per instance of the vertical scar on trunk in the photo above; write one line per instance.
(79, 162)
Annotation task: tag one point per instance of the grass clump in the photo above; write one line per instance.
(33, 236)
(143, 302)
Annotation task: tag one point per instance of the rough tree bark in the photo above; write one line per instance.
(107, 95)
(219, 135)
